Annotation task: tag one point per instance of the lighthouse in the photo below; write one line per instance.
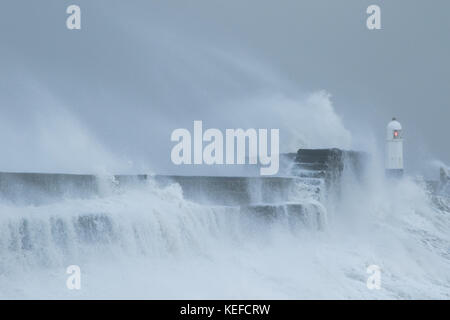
(394, 149)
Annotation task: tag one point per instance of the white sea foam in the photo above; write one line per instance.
(149, 242)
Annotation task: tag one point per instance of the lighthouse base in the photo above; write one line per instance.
(394, 173)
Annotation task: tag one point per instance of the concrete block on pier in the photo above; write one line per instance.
(232, 191)
(328, 164)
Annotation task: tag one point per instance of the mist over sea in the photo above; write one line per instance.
(148, 241)
(104, 101)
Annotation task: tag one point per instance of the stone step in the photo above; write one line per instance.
(309, 215)
(313, 166)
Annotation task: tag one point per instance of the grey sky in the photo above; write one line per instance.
(139, 69)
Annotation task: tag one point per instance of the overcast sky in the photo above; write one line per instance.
(139, 69)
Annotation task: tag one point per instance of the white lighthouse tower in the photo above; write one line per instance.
(394, 149)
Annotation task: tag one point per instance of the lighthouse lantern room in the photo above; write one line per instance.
(394, 149)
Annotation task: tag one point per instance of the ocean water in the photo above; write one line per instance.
(149, 242)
